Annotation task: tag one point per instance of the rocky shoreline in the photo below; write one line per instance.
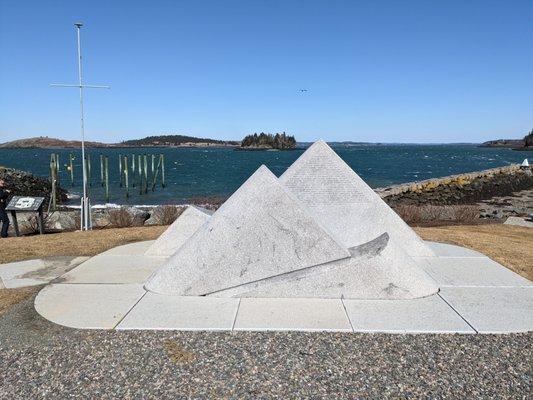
(468, 188)
(22, 183)
(495, 194)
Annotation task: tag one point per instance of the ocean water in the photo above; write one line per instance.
(194, 172)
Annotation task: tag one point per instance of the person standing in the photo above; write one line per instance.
(4, 219)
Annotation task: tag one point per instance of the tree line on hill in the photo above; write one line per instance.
(528, 139)
(45, 142)
(174, 140)
(516, 144)
(279, 141)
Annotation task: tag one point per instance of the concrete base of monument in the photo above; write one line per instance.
(477, 295)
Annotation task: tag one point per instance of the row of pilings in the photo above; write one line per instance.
(140, 172)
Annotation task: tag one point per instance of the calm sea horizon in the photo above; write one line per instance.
(199, 172)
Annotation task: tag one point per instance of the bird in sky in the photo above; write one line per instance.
(303, 90)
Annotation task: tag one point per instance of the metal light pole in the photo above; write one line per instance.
(85, 220)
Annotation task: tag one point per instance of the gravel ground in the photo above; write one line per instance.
(39, 359)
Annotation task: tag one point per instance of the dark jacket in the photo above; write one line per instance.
(3, 198)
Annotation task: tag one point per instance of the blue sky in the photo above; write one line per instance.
(382, 71)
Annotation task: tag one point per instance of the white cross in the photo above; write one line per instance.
(85, 221)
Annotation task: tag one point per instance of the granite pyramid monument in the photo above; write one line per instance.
(343, 203)
(260, 231)
(263, 242)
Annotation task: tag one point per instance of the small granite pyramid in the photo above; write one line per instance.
(178, 232)
(260, 231)
(343, 203)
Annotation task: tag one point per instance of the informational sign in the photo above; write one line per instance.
(25, 203)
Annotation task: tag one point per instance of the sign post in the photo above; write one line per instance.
(26, 204)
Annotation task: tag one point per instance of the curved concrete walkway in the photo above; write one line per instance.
(477, 295)
(37, 271)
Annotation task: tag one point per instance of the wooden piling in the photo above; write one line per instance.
(156, 174)
(133, 170)
(162, 157)
(71, 168)
(145, 162)
(53, 173)
(106, 178)
(88, 169)
(126, 180)
(152, 174)
(120, 168)
(102, 170)
(139, 168)
(57, 169)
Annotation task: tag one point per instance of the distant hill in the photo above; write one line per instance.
(510, 143)
(516, 144)
(177, 140)
(48, 143)
(45, 142)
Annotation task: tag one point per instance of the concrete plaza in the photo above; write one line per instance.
(477, 295)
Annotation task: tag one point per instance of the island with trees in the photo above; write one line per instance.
(268, 141)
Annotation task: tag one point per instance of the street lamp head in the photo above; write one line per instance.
(78, 24)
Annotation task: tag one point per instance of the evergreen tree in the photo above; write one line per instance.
(528, 139)
(280, 141)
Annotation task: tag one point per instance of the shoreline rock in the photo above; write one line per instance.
(502, 207)
(468, 188)
(22, 183)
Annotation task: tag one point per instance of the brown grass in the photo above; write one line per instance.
(511, 246)
(73, 243)
(10, 297)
